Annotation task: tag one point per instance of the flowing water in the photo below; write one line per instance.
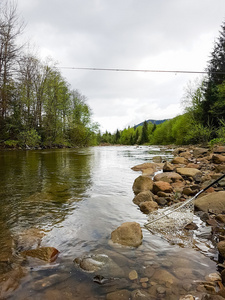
(72, 199)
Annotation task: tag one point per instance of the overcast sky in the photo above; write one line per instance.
(126, 34)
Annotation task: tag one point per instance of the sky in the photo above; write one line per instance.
(167, 35)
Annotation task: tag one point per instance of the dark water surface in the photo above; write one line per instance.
(75, 198)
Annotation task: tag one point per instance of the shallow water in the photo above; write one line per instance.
(76, 198)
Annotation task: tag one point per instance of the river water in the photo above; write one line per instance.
(72, 199)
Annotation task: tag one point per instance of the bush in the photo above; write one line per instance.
(29, 138)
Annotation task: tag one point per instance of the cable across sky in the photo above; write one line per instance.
(139, 70)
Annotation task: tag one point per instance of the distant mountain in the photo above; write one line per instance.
(156, 122)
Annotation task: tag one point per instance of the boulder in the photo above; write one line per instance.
(221, 248)
(199, 152)
(162, 186)
(144, 166)
(218, 159)
(143, 197)
(148, 206)
(219, 149)
(179, 160)
(128, 234)
(168, 177)
(213, 202)
(148, 172)
(141, 184)
(189, 172)
(48, 254)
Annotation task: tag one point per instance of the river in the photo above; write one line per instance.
(75, 198)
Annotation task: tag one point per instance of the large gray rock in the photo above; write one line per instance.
(128, 234)
(141, 184)
(214, 202)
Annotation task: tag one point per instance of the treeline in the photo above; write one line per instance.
(37, 105)
(204, 118)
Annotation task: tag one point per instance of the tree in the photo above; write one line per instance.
(213, 106)
(144, 134)
(10, 29)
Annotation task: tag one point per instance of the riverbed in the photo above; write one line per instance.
(72, 199)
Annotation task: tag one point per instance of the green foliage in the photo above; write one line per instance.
(29, 138)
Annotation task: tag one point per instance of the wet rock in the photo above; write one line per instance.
(122, 295)
(220, 218)
(148, 206)
(179, 160)
(189, 172)
(191, 226)
(168, 177)
(187, 297)
(221, 248)
(213, 277)
(141, 184)
(133, 275)
(48, 254)
(141, 167)
(162, 186)
(212, 202)
(157, 159)
(128, 234)
(46, 282)
(143, 196)
(163, 275)
(161, 201)
(168, 167)
(149, 271)
(140, 295)
(100, 263)
(29, 238)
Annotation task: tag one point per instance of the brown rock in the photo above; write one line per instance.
(220, 218)
(211, 202)
(144, 166)
(221, 248)
(141, 184)
(219, 149)
(148, 172)
(133, 275)
(179, 160)
(168, 167)
(168, 177)
(190, 172)
(162, 186)
(148, 206)
(48, 254)
(218, 159)
(163, 275)
(143, 197)
(200, 152)
(128, 234)
(121, 294)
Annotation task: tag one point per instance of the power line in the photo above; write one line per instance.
(140, 70)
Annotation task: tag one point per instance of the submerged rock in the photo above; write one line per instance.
(48, 254)
(128, 234)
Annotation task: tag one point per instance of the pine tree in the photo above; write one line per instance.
(213, 106)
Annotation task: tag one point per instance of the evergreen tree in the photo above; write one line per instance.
(144, 135)
(213, 106)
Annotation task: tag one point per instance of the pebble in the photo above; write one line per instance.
(133, 275)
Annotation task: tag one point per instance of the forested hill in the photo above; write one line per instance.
(156, 122)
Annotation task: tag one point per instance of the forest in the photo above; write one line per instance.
(38, 108)
(203, 121)
(37, 105)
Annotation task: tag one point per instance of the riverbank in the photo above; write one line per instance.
(165, 183)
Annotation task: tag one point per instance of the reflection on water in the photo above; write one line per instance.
(72, 199)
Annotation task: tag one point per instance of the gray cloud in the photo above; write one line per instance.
(146, 34)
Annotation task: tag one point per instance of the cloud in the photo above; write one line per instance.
(129, 34)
